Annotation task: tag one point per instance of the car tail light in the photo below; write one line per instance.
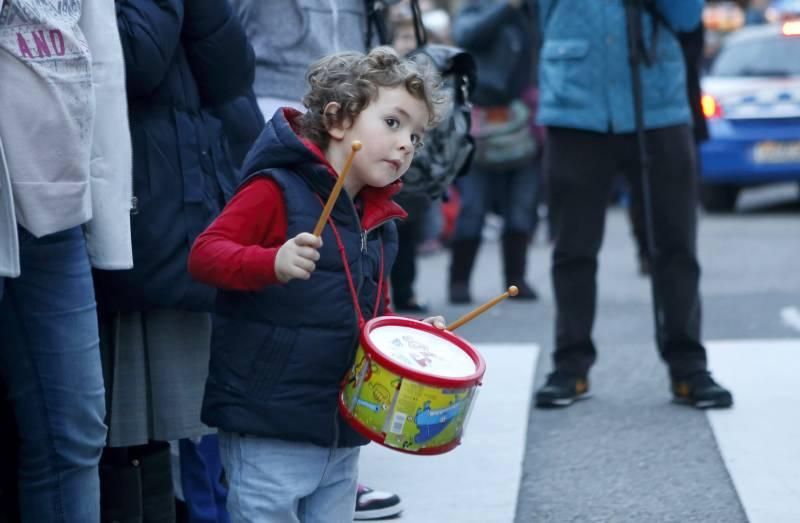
(791, 28)
(711, 107)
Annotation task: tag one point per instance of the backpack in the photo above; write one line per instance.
(449, 147)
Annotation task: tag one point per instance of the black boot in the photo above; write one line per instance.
(9, 462)
(158, 496)
(515, 258)
(120, 489)
(462, 259)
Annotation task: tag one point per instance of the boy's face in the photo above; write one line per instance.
(389, 129)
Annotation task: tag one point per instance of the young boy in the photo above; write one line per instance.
(283, 337)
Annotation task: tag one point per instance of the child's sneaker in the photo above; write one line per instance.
(373, 504)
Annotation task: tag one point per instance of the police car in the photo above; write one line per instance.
(780, 10)
(751, 101)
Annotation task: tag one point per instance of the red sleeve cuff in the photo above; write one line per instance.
(258, 267)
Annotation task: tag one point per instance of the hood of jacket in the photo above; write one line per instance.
(280, 146)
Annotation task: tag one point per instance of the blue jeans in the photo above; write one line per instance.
(287, 482)
(201, 471)
(514, 195)
(50, 362)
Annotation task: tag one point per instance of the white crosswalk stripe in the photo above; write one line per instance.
(478, 481)
(759, 438)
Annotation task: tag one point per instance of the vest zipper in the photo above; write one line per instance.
(354, 343)
(335, 428)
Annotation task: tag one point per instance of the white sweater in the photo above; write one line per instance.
(64, 130)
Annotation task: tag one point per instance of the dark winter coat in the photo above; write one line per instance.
(182, 59)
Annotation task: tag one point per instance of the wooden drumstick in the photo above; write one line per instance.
(337, 188)
(512, 291)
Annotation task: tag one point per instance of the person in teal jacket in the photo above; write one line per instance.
(584, 72)
(586, 103)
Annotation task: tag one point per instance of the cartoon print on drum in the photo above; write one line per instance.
(402, 413)
(433, 421)
(411, 388)
(371, 406)
(420, 353)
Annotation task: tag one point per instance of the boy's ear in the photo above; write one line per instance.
(335, 124)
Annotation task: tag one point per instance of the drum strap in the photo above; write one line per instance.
(343, 254)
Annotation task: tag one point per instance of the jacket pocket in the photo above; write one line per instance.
(563, 74)
(664, 84)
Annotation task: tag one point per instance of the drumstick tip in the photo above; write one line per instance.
(356, 146)
(513, 290)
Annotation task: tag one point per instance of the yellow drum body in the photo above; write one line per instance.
(412, 386)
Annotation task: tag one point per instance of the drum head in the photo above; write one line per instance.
(422, 351)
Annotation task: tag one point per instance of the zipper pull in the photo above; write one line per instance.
(363, 242)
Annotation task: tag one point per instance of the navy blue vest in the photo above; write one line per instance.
(278, 355)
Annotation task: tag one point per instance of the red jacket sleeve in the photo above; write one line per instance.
(237, 251)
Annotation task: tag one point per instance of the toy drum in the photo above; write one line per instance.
(412, 386)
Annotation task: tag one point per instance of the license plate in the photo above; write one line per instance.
(777, 152)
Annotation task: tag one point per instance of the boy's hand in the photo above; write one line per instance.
(436, 321)
(297, 258)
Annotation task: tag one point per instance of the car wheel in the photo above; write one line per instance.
(718, 198)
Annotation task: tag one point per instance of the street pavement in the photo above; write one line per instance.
(627, 454)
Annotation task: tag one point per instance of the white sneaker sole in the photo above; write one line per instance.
(379, 513)
(702, 405)
(566, 402)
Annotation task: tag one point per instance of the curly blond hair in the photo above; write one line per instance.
(352, 80)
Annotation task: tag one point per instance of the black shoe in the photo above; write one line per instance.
(412, 306)
(526, 292)
(562, 390)
(459, 293)
(701, 391)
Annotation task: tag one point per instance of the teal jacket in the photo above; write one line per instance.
(584, 73)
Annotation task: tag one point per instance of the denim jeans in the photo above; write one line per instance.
(513, 195)
(200, 474)
(288, 482)
(50, 362)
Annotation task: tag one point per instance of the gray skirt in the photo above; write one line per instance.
(155, 365)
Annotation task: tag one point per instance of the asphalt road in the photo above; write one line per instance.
(628, 454)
